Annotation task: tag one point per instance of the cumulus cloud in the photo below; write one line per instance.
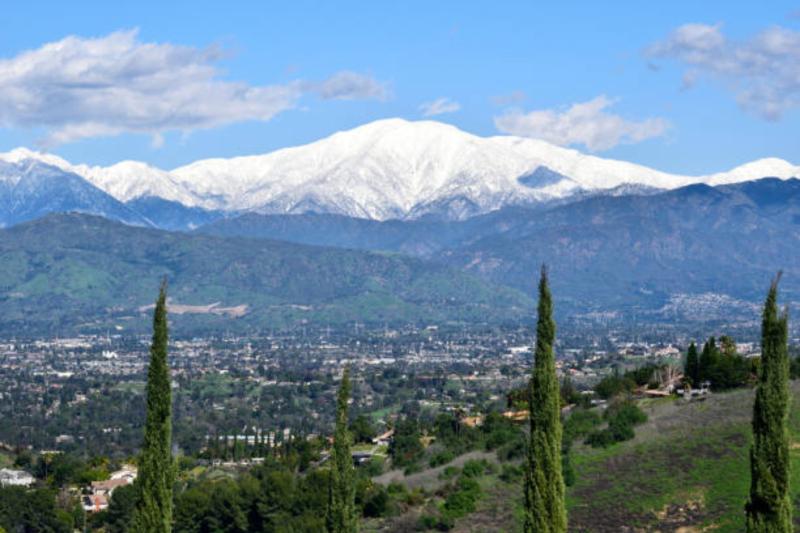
(89, 87)
(762, 71)
(439, 106)
(586, 123)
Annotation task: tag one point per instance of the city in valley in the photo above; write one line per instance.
(393, 267)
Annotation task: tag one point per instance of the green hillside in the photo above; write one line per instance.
(686, 470)
(67, 273)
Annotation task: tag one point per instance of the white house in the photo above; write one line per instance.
(15, 478)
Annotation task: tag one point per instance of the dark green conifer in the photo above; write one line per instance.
(709, 358)
(153, 511)
(769, 509)
(692, 367)
(341, 516)
(545, 511)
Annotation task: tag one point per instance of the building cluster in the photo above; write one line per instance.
(96, 497)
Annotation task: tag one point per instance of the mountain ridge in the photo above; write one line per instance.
(393, 169)
(87, 273)
(645, 254)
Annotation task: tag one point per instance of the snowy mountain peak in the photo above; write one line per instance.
(394, 168)
(17, 155)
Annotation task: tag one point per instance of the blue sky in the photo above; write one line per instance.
(226, 79)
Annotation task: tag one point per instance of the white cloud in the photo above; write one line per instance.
(586, 123)
(512, 98)
(88, 87)
(347, 85)
(762, 71)
(439, 106)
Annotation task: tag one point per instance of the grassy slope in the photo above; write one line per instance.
(688, 466)
(687, 470)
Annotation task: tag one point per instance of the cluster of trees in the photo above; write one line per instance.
(274, 496)
(37, 510)
(720, 365)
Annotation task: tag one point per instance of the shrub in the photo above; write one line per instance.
(611, 386)
(622, 417)
(511, 473)
(441, 458)
(474, 468)
(579, 424)
(449, 472)
(377, 502)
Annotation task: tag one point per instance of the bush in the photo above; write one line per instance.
(511, 473)
(462, 501)
(449, 472)
(474, 468)
(377, 502)
(622, 417)
(512, 450)
(601, 438)
(374, 467)
(626, 412)
(614, 385)
(579, 424)
(427, 522)
(441, 458)
(620, 430)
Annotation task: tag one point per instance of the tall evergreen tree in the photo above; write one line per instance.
(692, 368)
(153, 511)
(544, 485)
(341, 516)
(708, 359)
(770, 507)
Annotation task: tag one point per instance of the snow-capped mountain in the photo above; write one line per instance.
(30, 189)
(394, 168)
(125, 181)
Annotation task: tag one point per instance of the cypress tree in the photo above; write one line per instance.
(153, 512)
(770, 507)
(544, 485)
(709, 358)
(341, 516)
(692, 368)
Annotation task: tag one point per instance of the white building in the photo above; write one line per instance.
(15, 478)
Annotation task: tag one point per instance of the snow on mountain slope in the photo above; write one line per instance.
(124, 181)
(394, 168)
(129, 180)
(382, 170)
(30, 188)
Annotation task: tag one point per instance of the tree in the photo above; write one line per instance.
(727, 346)
(692, 368)
(770, 507)
(342, 491)
(362, 429)
(120, 508)
(156, 470)
(708, 359)
(544, 485)
(406, 448)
